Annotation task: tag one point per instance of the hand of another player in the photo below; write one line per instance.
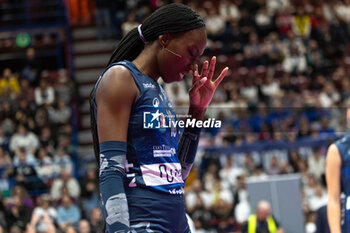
(203, 85)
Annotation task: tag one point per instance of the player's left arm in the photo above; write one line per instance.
(201, 94)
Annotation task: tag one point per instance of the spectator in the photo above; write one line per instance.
(32, 67)
(23, 157)
(62, 161)
(283, 21)
(294, 159)
(273, 49)
(328, 96)
(319, 198)
(198, 203)
(60, 114)
(44, 165)
(96, 221)
(294, 62)
(316, 164)
(222, 208)
(229, 11)
(26, 91)
(310, 226)
(25, 174)
(45, 219)
(246, 25)
(5, 160)
(271, 88)
(253, 52)
(9, 83)
(230, 172)
(91, 198)
(263, 220)
(44, 215)
(4, 140)
(301, 23)
(24, 139)
(44, 93)
(27, 109)
(64, 87)
(130, 23)
(18, 215)
(309, 188)
(67, 180)
(274, 168)
(316, 58)
(68, 214)
(47, 139)
(259, 173)
(84, 226)
(21, 192)
(214, 23)
(263, 22)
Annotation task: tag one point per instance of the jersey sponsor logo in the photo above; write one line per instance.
(149, 85)
(151, 120)
(155, 102)
(159, 120)
(177, 191)
(161, 174)
(163, 151)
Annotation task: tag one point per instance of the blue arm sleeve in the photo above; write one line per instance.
(187, 149)
(115, 206)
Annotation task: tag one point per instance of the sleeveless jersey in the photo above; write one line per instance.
(343, 146)
(152, 161)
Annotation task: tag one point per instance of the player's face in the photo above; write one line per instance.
(180, 54)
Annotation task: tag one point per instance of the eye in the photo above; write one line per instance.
(190, 53)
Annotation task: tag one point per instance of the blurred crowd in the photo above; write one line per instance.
(40, 189)
(288, 81)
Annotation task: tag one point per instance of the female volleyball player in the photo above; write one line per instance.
(142, 164)
(338, 181)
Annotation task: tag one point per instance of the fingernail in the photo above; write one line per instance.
(195, 73)
(204, 79)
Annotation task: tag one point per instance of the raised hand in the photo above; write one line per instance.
(203, 85)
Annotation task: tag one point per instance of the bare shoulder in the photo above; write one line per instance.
(333, 154)
(116, 83)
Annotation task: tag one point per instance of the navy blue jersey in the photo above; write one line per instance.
(343, 146)
(152, 161)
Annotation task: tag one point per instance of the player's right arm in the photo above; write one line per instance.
(115, 95)
(333, 171)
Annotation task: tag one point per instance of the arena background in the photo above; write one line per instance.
(283, 102)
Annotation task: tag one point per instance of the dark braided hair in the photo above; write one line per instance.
(172, 18)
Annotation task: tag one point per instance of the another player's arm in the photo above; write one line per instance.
(333, 171)
(114, 97)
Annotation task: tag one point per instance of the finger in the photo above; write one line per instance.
(198, 84)
(204, 69)
(221, 77)
(212, 67)
(196, 76)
